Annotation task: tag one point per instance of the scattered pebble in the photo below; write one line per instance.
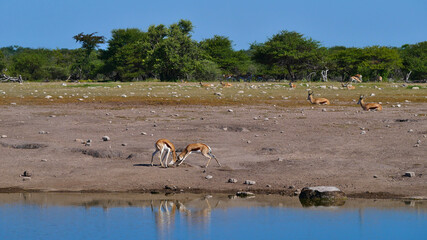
(249, 182)
(410, 130)
(208, 177)
(232, 180)
(43, 132)
(409, 174)
(268, 185)
(363, 132)
(143, 133)
(280, 159)
(3, 136)
(44, 160)
(230, 110)
(105, 138)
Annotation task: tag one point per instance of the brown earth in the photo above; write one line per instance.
(279, 148)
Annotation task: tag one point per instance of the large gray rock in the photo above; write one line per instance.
(322, 196)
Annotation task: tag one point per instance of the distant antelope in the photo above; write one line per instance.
(206, 84)
(313, 100)
(226, 84)
(348, 86)
(204, 149)
(380, 79)
(292, 85)
(356, 78)
(162, 145)
(369, 106)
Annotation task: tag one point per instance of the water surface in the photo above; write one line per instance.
(181, 216)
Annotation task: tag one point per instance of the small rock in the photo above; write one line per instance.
(44, 160)
(26, 174)
(170, 187)
(79, 140)
(409, 174)
(415, 88)
(43, 132)
(410, 130)
(124, 96)
(268, 185)
(291, 187)
(143, 133)
(280, 159)
(244, 194)
(124, 144)
(208, 177)
(417, 145)
(3, 136)
(418, 141)
(230, 110)
(249, 182)
(324, 110)
(232, 180)
(375, 176)
(249, 141)
(105, 138)
(363, 132)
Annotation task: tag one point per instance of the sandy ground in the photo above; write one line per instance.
(279, 148)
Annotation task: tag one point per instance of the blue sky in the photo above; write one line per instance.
(52, 23)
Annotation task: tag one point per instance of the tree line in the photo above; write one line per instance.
(169, 53)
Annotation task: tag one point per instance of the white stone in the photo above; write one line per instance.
(250, 182)
(325, 189)
(105, 138)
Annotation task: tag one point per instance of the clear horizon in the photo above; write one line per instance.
(52, 24)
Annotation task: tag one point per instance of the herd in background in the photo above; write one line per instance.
(166, 147)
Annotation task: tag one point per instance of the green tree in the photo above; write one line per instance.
(87, 63)
(379, 61)
(2, 62)
(414, 59)
(30, 65)
(220, 51)
(287, 52)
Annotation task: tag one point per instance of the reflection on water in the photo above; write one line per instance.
(182, 216)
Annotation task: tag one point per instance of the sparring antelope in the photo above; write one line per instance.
(313, 100)
(292, 85)
(226, 84)
(206, 84)
(348, 86)
(369, 106)
(204, 149)
(356, 78)
(161, 146)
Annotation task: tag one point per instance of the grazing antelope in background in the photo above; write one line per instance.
(380, 79)
(162, 145)
(206, 84)
(313, 100)
(369, 106)
(356, 78)
(226, 84)
(204, 149)
(292, 85)
(348, 86)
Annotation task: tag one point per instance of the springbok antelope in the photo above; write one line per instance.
(204, 149)
(226, 84)
(292, 85)
(162, 145)
(206, 84)
(369, 106)
(356, 78)
(313, 100)
(348, 86)
(380, 79)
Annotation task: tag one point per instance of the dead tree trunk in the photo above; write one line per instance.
(325, 75)
(407, 76)
(6, 78)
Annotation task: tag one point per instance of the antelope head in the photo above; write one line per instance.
(309, 94)
(360, 99)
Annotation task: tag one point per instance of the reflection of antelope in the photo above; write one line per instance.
(165, 214)
(206, 84)
(162, 145)
(313, 100)
(226, 84)
(369, 106)
(356, 78)
(348, 86)
(204, 149)
(292, 85)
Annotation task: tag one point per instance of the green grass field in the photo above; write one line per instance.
(32, 93)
